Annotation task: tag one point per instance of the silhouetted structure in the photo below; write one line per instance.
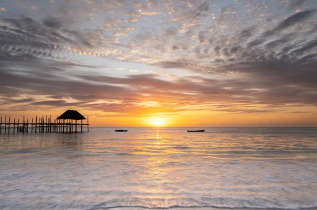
(120, 130)
(195, 130)
(65, 123)
(71, 115)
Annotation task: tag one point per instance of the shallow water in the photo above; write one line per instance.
(160, 168)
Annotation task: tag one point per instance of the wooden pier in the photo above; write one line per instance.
(43, 125)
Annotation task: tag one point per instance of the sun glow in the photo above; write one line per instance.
(157, 122)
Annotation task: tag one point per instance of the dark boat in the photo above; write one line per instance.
(120, 130)
(195, 130)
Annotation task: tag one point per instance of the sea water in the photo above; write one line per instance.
(160, 168)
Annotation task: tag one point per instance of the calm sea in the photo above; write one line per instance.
(160, 168)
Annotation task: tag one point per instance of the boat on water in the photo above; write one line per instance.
(120, 130)
(195, 130)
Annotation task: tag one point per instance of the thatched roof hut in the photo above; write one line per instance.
(71, 115)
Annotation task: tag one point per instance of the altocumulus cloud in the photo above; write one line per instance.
(263, 56)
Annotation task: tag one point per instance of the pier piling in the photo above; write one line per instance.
(41, 125)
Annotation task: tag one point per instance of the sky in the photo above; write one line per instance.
(161, 62)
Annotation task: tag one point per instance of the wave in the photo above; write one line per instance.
(200, 207)
(190, 203)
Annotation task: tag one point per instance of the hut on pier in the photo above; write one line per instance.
(71, 115)
(65, 123)
(70, 118)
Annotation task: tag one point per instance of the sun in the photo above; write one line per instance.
(156, 121)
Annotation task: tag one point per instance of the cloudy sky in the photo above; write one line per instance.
(186, 63)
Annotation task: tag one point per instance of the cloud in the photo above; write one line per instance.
(25, 35)
(52, 22)
(255, 61)
(261, 86)
(296, 4)
(307, 46)
(294, 19)
(256, 42)
(173, 64)
(276, 43)
(247, 33)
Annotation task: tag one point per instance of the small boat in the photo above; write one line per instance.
(120, 130)
(195, 130)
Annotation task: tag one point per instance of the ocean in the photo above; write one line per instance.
(225, 168)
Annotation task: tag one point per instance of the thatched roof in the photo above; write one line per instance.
(72, 115)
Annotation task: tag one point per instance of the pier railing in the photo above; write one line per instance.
(42, 125)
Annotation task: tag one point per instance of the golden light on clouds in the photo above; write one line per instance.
(161, 63)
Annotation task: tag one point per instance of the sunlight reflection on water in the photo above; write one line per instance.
(163, 167)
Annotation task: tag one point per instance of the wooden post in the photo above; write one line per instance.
(13, 125)
(5, 124)
(35, 123)
(18, 126)
(88, 123)
(27, 125)
(0, 124)
(9, 125)
(23, 124)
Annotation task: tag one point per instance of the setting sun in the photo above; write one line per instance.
(158, 104)
(157, 122)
